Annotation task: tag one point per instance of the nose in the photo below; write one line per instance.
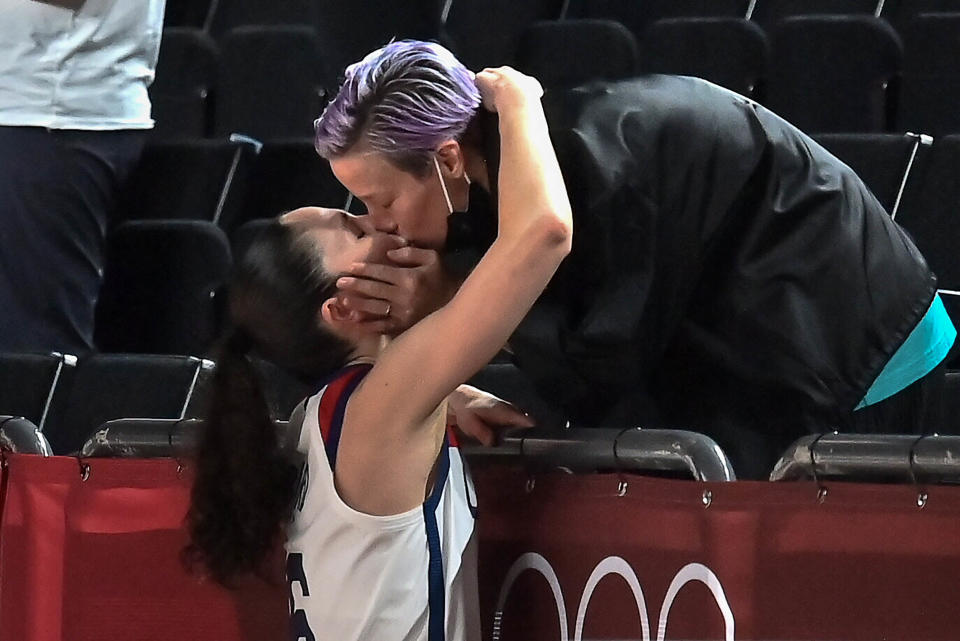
(381, 221)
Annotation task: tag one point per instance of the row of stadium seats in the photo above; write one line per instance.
(68, 399)
(489, 33)
(230, 182)
(191, 207)
(67, 407)
(823, 73)
(510, 16)
(674, 453)
(639, 14)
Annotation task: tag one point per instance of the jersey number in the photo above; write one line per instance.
(299, 628)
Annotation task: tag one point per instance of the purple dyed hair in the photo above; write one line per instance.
(403, 100)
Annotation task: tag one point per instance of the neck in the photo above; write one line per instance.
(368, 349)
(476, 167)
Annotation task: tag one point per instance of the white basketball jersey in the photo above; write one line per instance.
(357, 577)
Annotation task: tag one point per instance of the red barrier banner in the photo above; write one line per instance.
(568, 557)
(98, 559)
(576, 557)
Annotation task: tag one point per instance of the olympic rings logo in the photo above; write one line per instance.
(618, 566)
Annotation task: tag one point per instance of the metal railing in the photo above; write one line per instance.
(599, 449)
(890, 457)
(582, 450)
(23, 437)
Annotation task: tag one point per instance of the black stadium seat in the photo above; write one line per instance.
(831, 73)
(186, 13)
(182, 92)
(189, 179)
(951, 403)
(691, 46)
(109, 386)
(930, 90)
(660, 9)
(271, 82)
(487, 34)
(901, 12)
(226, 15)
(769, 12)
(570, 52)
(159, 287)
(289, 174)
(242, 237)
(282, 391)
(350, 29)
(930, 211)
(637, 15)
(29, 381)
(885, 162)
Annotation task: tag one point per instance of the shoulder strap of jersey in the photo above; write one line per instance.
(333, 404)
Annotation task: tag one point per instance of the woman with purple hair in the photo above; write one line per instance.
(729, 275)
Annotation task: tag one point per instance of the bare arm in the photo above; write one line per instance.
(422, 366)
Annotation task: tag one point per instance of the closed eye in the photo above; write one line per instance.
(352, 225)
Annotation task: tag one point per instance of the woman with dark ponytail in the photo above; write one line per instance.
(244, 483)
(378, 522)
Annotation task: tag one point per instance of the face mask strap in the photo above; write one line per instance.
(443, 185)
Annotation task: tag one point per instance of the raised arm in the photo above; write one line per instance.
(422, 366)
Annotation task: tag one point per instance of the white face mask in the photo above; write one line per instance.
(443, 185)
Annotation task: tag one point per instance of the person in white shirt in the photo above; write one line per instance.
(74, 113)
(381, 540)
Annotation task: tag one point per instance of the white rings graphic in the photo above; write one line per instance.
(696, 572)
(531, 561)
(613, 565)
(618, 566)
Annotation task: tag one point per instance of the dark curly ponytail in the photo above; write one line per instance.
(244, 485)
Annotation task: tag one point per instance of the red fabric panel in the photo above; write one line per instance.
(32, 546)
(866, 563)
(99, 559)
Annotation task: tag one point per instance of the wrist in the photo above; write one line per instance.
(514, 102)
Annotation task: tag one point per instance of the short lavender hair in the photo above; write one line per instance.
(402, 100)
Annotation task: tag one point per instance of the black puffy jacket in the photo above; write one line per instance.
(728, 275)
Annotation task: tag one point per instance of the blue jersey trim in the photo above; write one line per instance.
(323, 381)
(436, 586)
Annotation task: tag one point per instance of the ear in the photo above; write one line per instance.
(451, 158)
(337, 318)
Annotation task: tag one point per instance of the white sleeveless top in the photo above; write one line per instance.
(87, 68)
(357, 577)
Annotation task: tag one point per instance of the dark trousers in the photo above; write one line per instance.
(58, 189)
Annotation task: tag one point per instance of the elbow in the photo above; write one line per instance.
(555, 231)
(548, 231)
